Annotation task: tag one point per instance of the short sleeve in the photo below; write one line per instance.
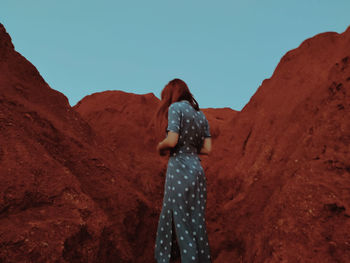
(206, 129)
(174, 119)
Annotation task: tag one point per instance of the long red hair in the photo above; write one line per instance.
(175, 90)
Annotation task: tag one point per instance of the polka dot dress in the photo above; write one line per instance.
(185, 192)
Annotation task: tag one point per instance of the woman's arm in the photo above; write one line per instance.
(169, 142)
(206, 148)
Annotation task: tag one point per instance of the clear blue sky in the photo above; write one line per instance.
(222, 49)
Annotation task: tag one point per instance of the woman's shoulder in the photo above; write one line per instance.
(177, 105)
(202, 116)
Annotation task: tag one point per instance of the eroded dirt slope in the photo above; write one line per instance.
(279, 175)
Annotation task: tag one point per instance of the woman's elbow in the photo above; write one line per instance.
(172, 144)
(208, 150)
(173, 139)
(207, 145)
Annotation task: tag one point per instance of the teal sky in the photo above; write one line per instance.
(223, 50)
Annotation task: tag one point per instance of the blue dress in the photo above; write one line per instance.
(185, 193)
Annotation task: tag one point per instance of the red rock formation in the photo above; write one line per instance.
(289, 162)
(84, 184)
(64, 197)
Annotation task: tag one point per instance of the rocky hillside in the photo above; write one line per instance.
(84, 184)
(64, 196)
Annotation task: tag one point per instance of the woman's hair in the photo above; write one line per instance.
(175, 90)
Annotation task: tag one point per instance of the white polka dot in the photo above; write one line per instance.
(179, 182)
(190, 244)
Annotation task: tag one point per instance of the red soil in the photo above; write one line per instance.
(84, 183)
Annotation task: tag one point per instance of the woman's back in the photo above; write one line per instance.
(191, 125)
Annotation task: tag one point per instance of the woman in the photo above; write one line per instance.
(185, 194)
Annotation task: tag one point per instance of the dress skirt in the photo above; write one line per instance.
(184, 205)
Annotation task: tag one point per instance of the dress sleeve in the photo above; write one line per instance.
(174, 118)
(206, 129)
